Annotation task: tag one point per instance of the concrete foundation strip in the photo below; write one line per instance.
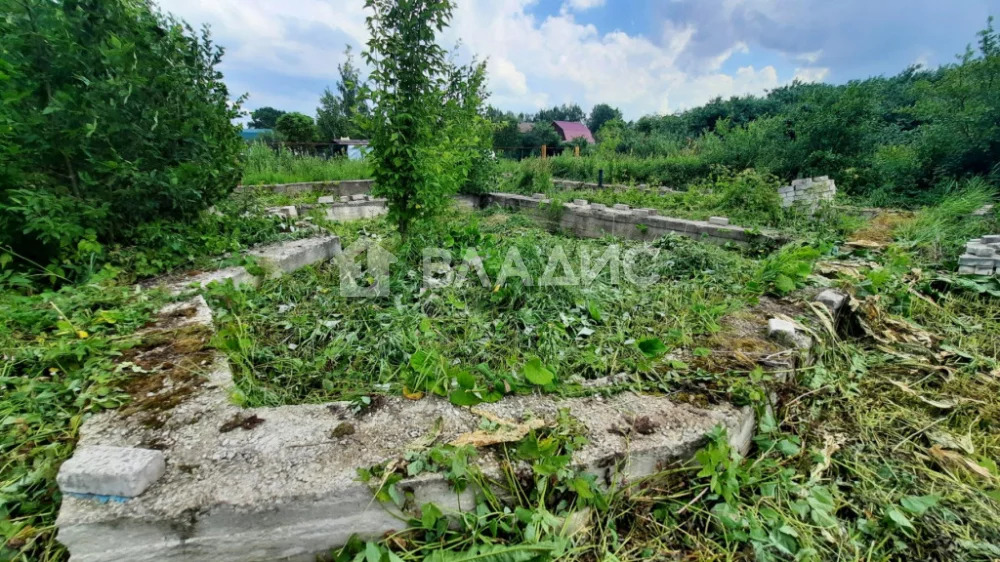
(287, 488)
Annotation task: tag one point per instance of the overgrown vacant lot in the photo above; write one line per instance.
(297, 339)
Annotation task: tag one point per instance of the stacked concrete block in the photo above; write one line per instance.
(982, 256)
(808, 193)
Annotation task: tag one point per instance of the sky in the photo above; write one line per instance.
(642, 56)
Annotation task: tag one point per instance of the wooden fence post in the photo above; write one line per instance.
(576, 151)
(544, 148)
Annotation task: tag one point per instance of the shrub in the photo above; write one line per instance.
(112, 114)
(749, 196)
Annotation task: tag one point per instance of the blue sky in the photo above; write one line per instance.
(644, 56)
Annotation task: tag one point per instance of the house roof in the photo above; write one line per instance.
(570, 130)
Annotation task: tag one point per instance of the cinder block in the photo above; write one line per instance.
(598, 206)
(581, 202)
(981, 250)
(110, 471)
(640, 212)
(832, 300)
(984, 271)
(344, 198)
(326, 200)
(622, 207)
(357, 197)
(784, 332)
(991, 239)
(721, 221)
(966, 269)
(538, 196)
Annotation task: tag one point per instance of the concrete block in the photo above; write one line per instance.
(621, 207)
(538, 196)
(984, 271)
(649, 211)
(357, 197)
(344, 198)
(598, 206)
(784, 332)
(641, 213)
(966, 270)
(975, 261)
(288, 257)
(786, 190)
(991, 239)
(980, 250)
(832, 300)
(721, 221)
(580, 202)
(327, 200)
(110, 471)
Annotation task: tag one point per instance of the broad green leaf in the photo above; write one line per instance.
(652, 347)
(918, 505)
(536, 373)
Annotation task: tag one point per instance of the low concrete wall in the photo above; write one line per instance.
(286, 487)
(344, 208)
(574, 184)
(340, 187)
(593, 220)
(281, 258)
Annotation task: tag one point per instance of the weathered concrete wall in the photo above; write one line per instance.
(593, 220)
(982, 256)
(280, 258)
(808, 193)
(340, 187)
(574, 184)
(337, 209)
(287, 487)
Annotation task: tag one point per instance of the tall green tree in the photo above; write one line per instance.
(296, 127)
(264, 117)
(601, 114)
(427, 125)
(340, 114)
(113, 114)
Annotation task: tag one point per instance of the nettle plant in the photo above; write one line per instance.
(427, 122)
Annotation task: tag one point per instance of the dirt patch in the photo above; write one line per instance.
(742, 343)
(879, 229)
(169, 366)
(240, 421)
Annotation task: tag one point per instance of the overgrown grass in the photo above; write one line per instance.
(883, 448)
(265, 165)
(58, 353)
(297, 340)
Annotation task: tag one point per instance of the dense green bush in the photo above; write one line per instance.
(113, 114)
(676, 170)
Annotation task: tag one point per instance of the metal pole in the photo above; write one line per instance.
(600, 177)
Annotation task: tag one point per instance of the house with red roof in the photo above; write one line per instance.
(569, 130)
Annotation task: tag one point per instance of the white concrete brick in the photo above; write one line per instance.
(110, 471)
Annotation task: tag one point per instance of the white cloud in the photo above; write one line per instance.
(814, 74)
(533, 62)
(580, 5)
